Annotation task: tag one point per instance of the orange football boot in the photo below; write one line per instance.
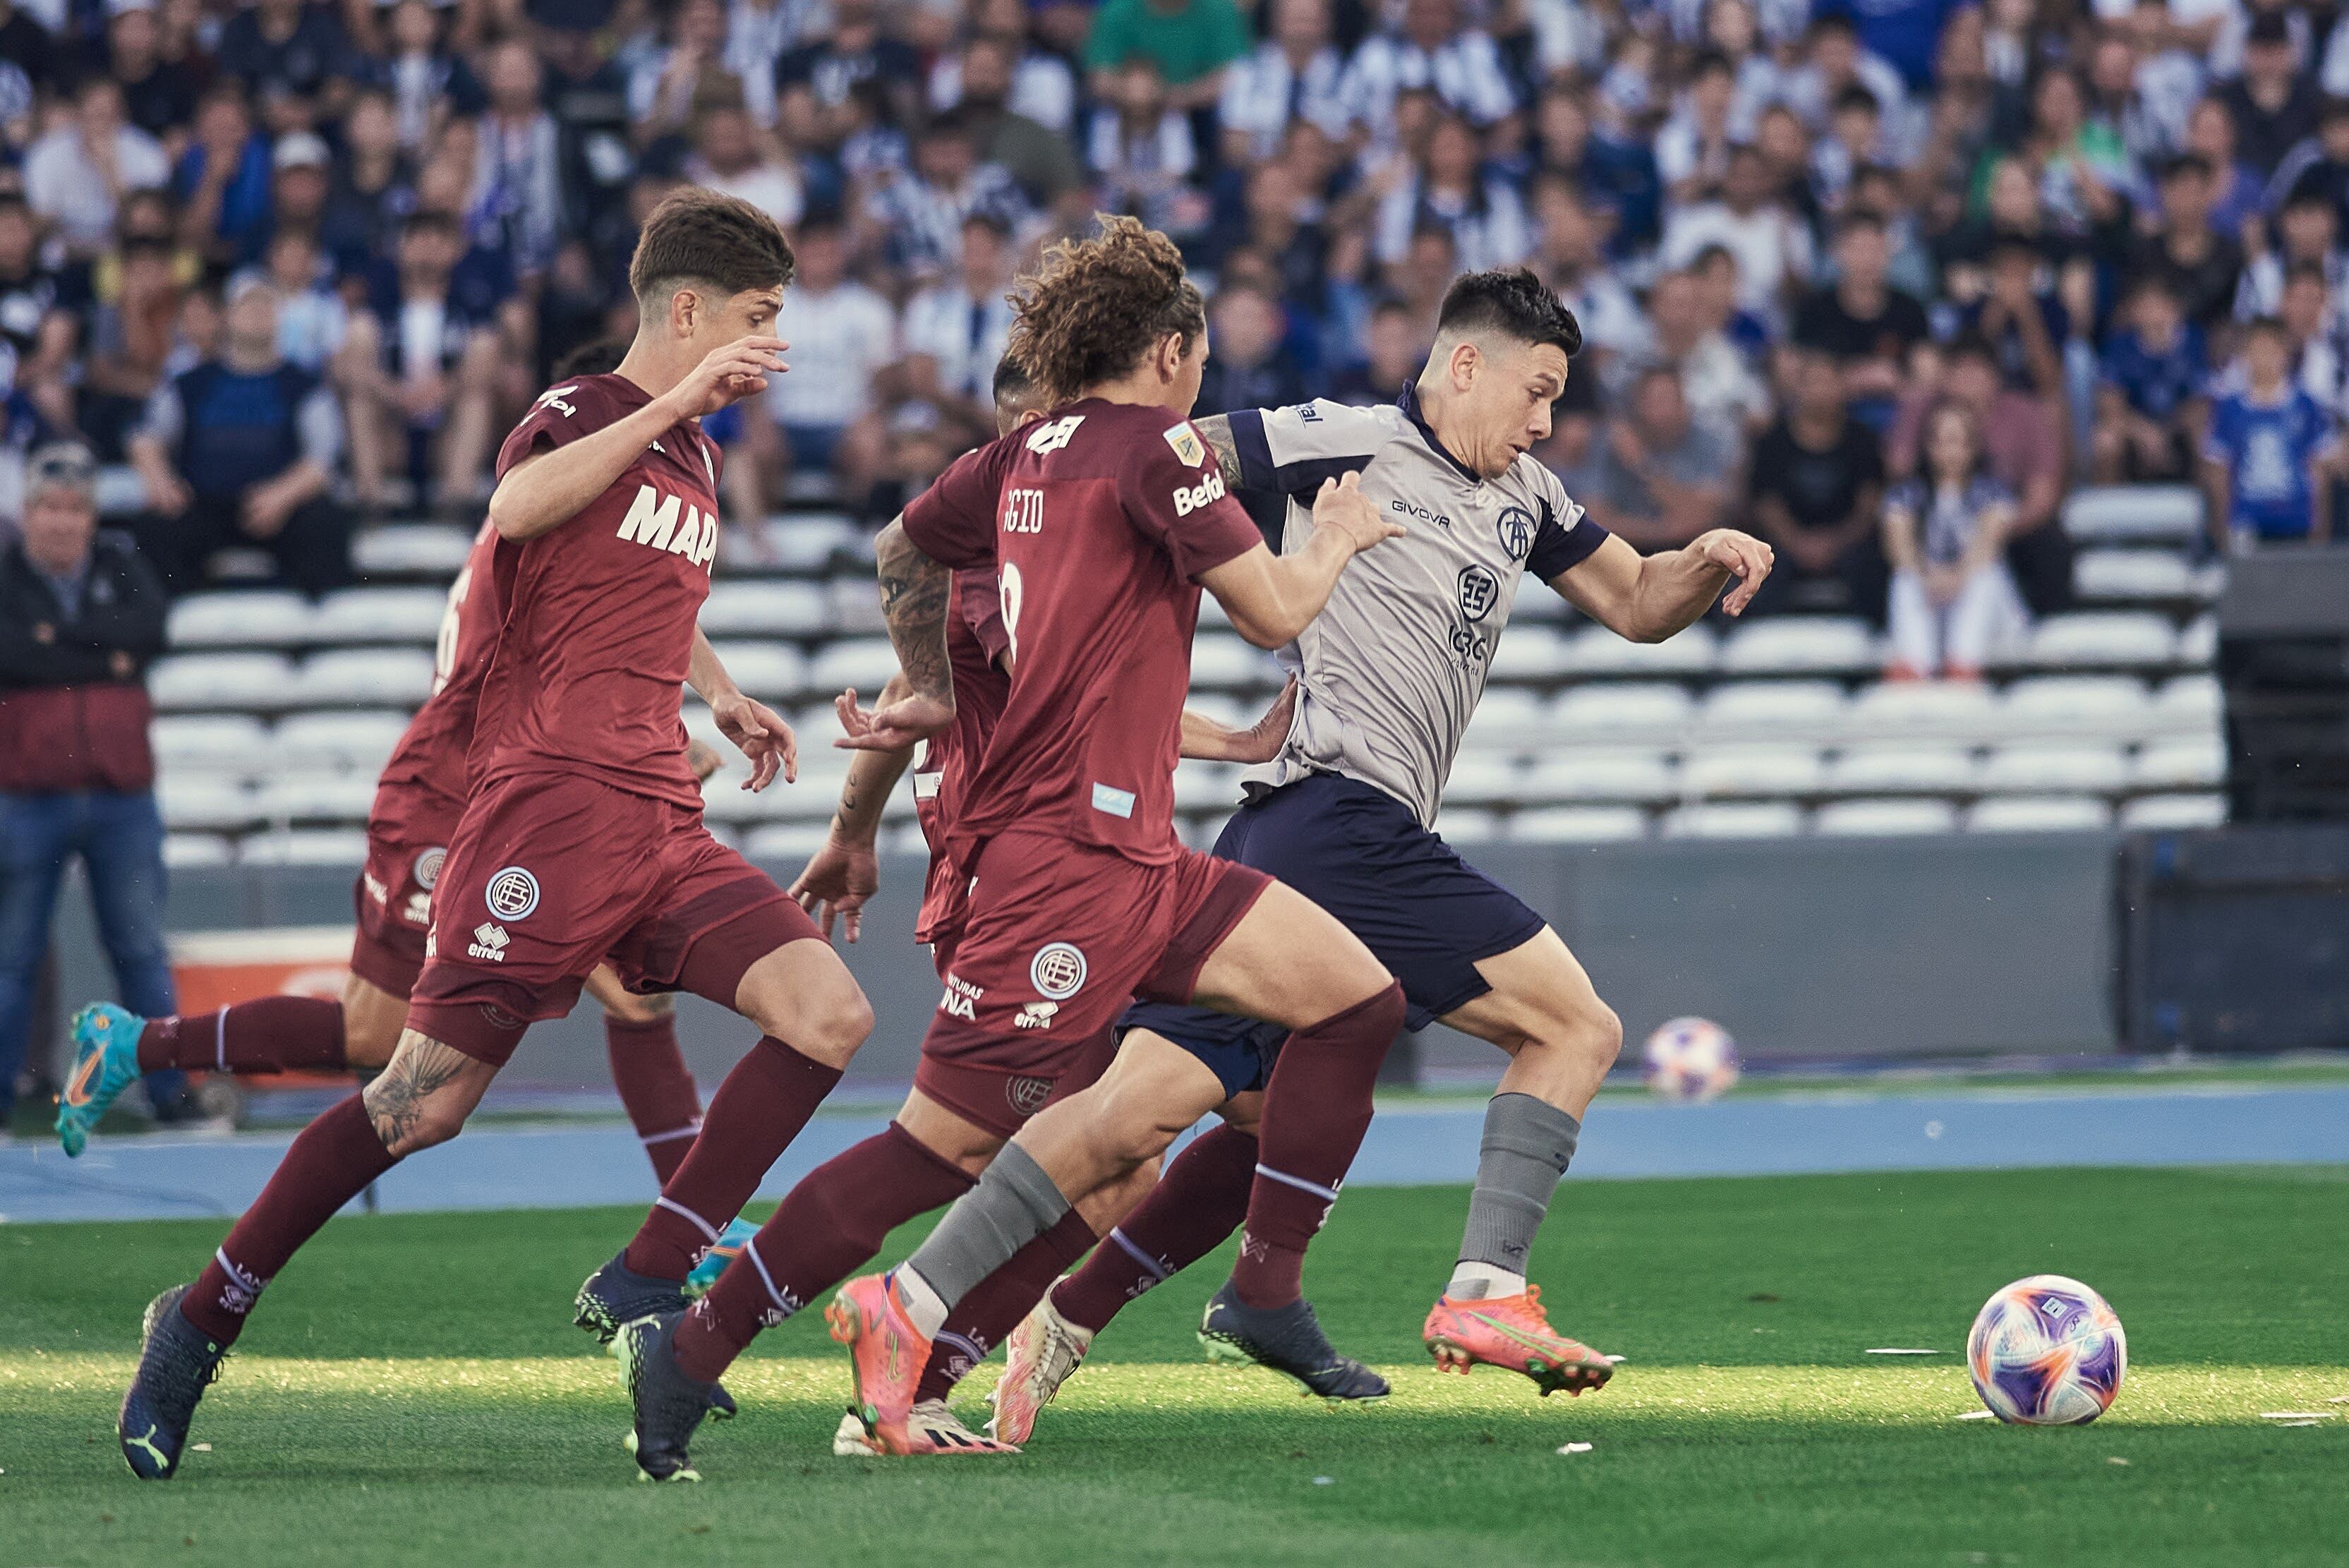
(1512, 1332)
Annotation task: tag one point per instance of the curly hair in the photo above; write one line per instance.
(1095, 306)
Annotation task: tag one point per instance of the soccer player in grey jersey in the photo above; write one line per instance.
(1388, 676)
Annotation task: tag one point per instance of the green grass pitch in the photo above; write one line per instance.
(412, 1392)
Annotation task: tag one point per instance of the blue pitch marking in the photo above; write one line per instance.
(491, 1167)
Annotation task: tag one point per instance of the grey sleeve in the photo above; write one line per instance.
(163, 419)
(1291, 451)
(319, 423)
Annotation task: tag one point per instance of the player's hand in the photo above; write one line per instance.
(1261, 742)
(702, 759)
(1746, 558)
(1340, 504)
(760, 733)
(891, 727)
(731, 371)
(838, 879)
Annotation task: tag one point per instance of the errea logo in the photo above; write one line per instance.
(489, 943)
(1207, 493)
(653, 520)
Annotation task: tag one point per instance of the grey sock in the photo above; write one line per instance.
(1528, 1143)
(1014, 1203)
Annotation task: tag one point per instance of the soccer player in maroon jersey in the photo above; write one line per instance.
(1103, 521)
(417, 803)
(843, 873)
(582, 836)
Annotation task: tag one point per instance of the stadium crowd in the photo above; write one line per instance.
(1878, 281)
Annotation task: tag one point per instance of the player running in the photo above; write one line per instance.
(843, 873)
(582, 836)
(1390, 673)
(417, 803)
(1112, 518)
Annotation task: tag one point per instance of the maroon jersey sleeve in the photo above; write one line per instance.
(978, 599)
(1173, 492)
(953, 521)
(562, 415)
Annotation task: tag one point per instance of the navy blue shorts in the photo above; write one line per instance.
(1354, 849)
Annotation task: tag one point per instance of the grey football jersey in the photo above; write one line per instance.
(1389, 673)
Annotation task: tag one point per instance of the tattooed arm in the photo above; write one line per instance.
(1216, 430)
(914, 592)
(844, 872)
(425, 1094)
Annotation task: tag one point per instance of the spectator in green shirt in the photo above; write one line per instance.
(1191, 41)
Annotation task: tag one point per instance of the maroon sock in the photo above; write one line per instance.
(836, 1218)
(994, 1306)
(268, 1035)
(657, 1092)
(753, 1118)
(1200, 1200)
(1316, 1107)
(327, 1166)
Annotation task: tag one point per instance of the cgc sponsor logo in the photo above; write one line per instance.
(513, 893)
(1187, 443)
(427, 869)
(1515, 527)
(1058, 971)
(1207, 493)
(1026, 1096)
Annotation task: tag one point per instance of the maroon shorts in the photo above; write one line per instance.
(408, 840)
(1059, 938)
(550, 875)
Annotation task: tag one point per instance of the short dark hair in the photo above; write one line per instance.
(2267, 327)
(1513, 302)
(1095, 306)
(600, 357)
(1856, 96)
(701, 236)
(1857, 219)
(1973, 345)
(2187, 163)
(1012, 382)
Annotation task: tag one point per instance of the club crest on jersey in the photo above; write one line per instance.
(1515, 526)
(1187, 443)
(1058, 971)
(552, 398)
(1207, 493)
(427, 869)
(513, 893)
(653, 520)
(1480, 590)
(1026, 1096)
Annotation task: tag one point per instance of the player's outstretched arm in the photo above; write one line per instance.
(544, 491)
(757, 731)
(915, 593)
(846, 872)
(1271, 598)
(1204, 739)
(1647, 598)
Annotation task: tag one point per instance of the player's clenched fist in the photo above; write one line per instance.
(1743, 555)
(730, 372)
(1340, 504)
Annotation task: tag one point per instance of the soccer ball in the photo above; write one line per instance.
(1691, 1059)
(2047, 1352)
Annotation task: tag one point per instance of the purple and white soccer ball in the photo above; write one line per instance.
(2047, 1352)
(1691, 1059)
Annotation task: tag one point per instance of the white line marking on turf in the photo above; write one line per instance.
(2297, 1415)
(1576, 1448)
(1894, 1350)
(1979, 1416)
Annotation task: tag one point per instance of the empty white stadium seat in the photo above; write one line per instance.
(183, 851)
(1222, 708)
(223, 741)
(1784, 710)
(255, 617)
(1888, 768)
(767, 606)
(1507, 718)
(2100, 574)
(1751, 770)
(412, 550)
(2096, 639)
(1532, 653)
(2135, 511)
(1607, 714)
(1881, 818)
(305, 847)
(807, 541)
(1483, 779)
(1207, 786)
(1801, 645)
(1596, 651)
(252, 681)
(1577, 824)
(1923, 710)
(702, 724)
(371, 677)
(2197, 645)
(1754, 819)
(2039, 814)
(2189, 703)
(1464, 824)
(1577, 776)
(2111, 707)
(381, 615)
(864, 662)
(784, 841)
(362, 740)
(856, 604)
(204, 802)
(1225, 663)
(775, 671)
(2052, 768)
(315, 797)
(2173, 811)
(2180, 763)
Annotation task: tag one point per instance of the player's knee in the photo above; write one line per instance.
(628, 1008)
(1589, 1032)
(833, 1025)
(417, 1126)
